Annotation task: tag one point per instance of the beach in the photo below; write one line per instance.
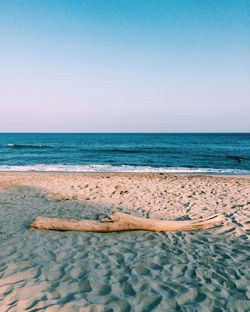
(128, 271)
(124, 156)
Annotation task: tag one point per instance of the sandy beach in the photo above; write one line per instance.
(129, 271)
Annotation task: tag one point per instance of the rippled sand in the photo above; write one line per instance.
(129, 271)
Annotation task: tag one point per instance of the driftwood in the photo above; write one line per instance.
(119, 221)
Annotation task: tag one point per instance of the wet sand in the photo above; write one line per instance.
(130, 271)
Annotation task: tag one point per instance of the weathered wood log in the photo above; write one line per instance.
(119, 221)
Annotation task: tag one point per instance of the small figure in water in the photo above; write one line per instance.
(239, 159)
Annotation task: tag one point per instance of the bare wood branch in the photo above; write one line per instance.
(119, 221)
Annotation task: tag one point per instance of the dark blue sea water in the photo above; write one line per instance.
(201, 153)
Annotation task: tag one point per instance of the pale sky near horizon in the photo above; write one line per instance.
(125, 66)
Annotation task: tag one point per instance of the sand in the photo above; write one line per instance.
(129, 271)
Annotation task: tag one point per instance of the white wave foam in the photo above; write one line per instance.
(24, 145)
(122, 168)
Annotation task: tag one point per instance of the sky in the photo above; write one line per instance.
(125, 66)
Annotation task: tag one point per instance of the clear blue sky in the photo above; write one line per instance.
(134, 65)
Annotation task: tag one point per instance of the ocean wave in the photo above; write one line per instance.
(122, 168)
(13, 145)
(113, 150)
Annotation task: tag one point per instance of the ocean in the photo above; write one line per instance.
(218, 153)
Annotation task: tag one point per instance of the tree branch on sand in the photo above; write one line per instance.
(119, 221)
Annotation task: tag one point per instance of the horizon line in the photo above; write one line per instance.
(129, 132)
